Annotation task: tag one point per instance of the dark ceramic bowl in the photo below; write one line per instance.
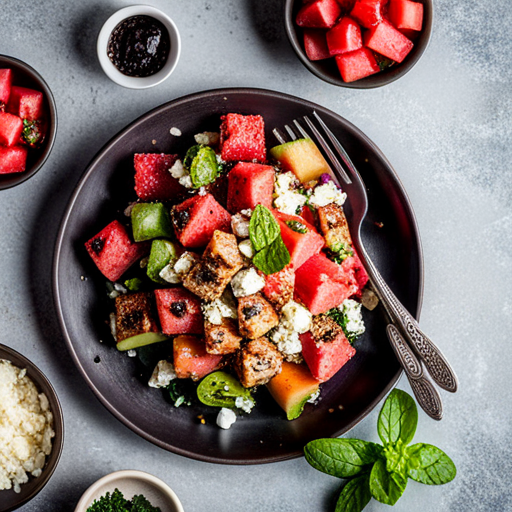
(26, 76)
(9, 500)
(120, 382)
(327, 69)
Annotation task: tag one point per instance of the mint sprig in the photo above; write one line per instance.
(378, 471)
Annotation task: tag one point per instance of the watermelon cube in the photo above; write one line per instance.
(153, 181)
(321, 284)
(113, 251)
(301, 246)
(191, 361)
(11, 127)
(346, 5)
(344, 37)
(353, 265)
(318, 14)
(315, 44)
(248, 185)
(388, 41)
(279, 286)
(357, 64)
(13, 159)
(326, 358)
(405, 15)
(242, 138)
(179, 311)
(196, 219)
(5, 86)
(367, 13)
(26, 103)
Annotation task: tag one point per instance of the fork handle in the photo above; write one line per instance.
(433, 359)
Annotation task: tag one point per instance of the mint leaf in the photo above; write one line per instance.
(386, 487)
(355, 495)
(204, 168)
(398, 418)
(273, 258)
(430, 465)
(263, 228)
(343, 458)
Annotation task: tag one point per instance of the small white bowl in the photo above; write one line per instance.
(132, 82)
(131, 483)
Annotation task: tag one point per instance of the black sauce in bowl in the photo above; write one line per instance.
(139, 46)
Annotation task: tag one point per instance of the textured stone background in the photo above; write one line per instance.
(446, 129)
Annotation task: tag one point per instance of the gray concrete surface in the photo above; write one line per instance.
(446, 129)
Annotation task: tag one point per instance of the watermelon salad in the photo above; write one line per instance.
(236, 268)
(22, 123)
(363, 36)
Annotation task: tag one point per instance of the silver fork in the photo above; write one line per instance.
(403, 324)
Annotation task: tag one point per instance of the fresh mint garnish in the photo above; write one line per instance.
(382, 471)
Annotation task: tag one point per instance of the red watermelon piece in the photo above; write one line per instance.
(242, 138)
(248, 185)
(179, 311)
(325, 359)
(367, 13)
(321, 284)
(13, 159)
(388, 41)
(196, 219)
(406, 15)
(153, 181)
(26, 103)
(353, 265)
(11, 127)
(113, 250)
(301, 246)
(357, 64)
(344, 37)
(315, 44)
(5, 86)
(191, 359)
(318, 14)
(279, 286)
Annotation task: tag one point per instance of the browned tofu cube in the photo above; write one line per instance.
(256, 316)
(220, 262)
(222, 339)
(257, 362)
(324, 328)
(134, 315)
(334, 227)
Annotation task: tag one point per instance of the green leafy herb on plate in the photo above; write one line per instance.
(116, 502)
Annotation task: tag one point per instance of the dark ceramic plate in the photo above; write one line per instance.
(9, 500)
(265, 435)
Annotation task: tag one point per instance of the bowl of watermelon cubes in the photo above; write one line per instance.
(359, 44)
(28, 121)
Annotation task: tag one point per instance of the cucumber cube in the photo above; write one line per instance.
(141, 340)
(150, 220)
(162, 253)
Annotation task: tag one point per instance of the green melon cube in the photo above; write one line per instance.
(141, 340)
(162, 253)
(150, 220)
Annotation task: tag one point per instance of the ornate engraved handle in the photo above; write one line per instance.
(426, 394)
(435, 363)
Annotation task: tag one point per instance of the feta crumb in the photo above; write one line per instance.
(218, 309)
(175, 131)
(202, 191)
(240, 225)
(287, 340)
(169, 274)
(120, 288)
(296, 317)
(247, 282)
(225, 418)
(245, 247)
(314, 397)
(327, 193)
(247, 212)
(185, 263)
(246, 404)
(162, 375)
(131, 353)
(351, 309)
(207, 138)
(177, 170)
(186, 181)
(287, 199)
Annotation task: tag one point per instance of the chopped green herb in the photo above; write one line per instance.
(297, 226)
(134, 285)
(339, 252)
(116, 502)
(180, 392)
(31, 133)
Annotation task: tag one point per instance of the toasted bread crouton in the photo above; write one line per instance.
(256, 316)
(220, 262)
(334, 227)
(257, 362)
(222, 339)
(324, 329)
(134, 315)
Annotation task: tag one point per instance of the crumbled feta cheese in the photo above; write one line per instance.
(207, 138)
(287, 199)
(314, 397)
(245, 247)
(240, 225)
(162, 375)
(352, 312)
(218, 309)
(247, 282)
(169, 274)
(113, 325)
(296, 317)
(131, 353)
(113, 294)
(285, 181)
(287, 340)
(327, 193)
(185, 263)
(175, 131)
(186, 181)
(120, 288)
(177, 170)
(225, 418)
(247, 212)
(246, 404)
(202, 191)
